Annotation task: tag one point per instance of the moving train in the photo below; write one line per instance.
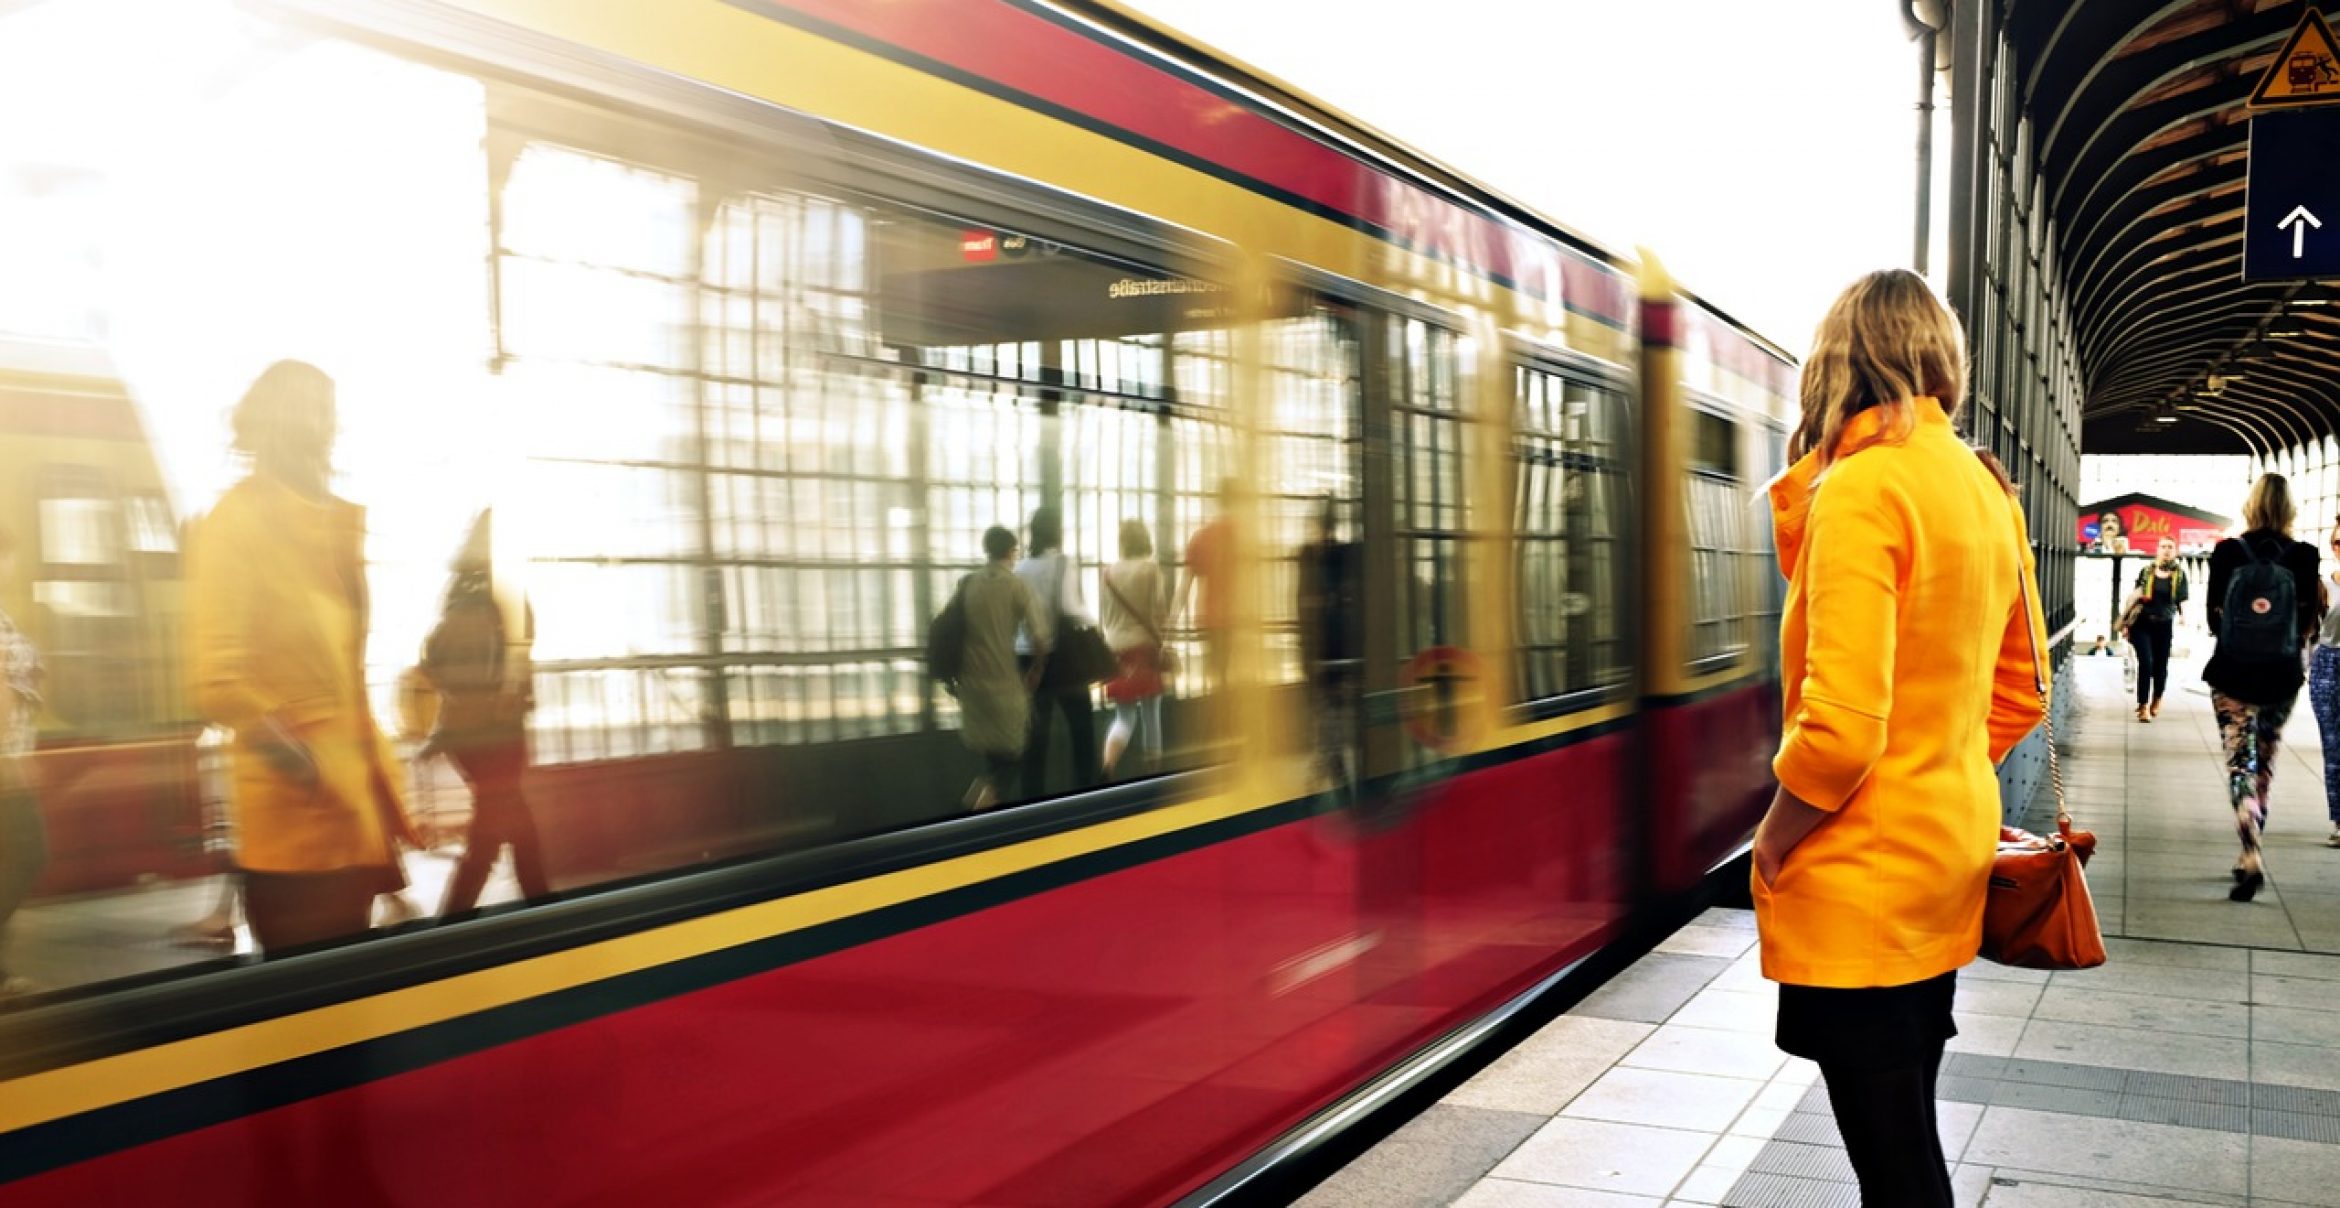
(748, 320)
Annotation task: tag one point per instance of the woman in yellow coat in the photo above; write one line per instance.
(277, 630)
(1907, 661)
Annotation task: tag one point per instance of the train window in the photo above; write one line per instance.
(1432, 507)
(1313, 364)
(739, 436)
(1720, 511)
(1570, 476)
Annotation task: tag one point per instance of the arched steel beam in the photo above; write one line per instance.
(2167, 254)
(2116, 81)
(2136, 216)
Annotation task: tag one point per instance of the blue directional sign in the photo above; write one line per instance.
(2291, 213)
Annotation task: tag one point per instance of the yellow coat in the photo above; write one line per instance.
(1908, 675)
(277, 629)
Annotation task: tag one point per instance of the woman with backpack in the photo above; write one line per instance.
(477, 656)
(2264, 598)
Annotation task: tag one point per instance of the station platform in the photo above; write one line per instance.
(2199, 1066)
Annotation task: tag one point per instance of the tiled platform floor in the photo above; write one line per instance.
(2201, 1066)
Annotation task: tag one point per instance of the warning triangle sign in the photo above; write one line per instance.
(2306, 71)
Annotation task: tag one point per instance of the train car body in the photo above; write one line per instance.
(784, 302)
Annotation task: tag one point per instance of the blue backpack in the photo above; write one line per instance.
(2260, 620)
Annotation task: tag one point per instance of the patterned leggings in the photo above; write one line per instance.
(2324, 698)
(2253, 734)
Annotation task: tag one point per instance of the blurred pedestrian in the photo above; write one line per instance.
(477, 656)
(1135, 609)
(1907, 648)
(277, 631)
(995, 693)
(24, 848)
(2324, 693)
(1059, 687)
(2159, 600)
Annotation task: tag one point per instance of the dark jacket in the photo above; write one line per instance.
(2263, 682)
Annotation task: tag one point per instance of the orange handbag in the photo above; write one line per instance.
(2037, 914)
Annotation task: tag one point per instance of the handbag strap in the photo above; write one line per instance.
(2039, 684)
(1123, 600)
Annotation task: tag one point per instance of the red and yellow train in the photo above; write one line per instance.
(748, 318)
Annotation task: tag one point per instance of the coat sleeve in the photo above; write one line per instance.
(220, 623)
(2018, 682)
(1855, 542)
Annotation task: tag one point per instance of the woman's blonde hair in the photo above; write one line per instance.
(1136, 542)
(2269, 505)
(1886, 340)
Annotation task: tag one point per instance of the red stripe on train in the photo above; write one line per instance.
(1120, 1040)
(1030, 54)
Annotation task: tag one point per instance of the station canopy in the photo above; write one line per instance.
(2140, 112)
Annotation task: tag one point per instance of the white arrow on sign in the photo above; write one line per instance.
(2297, 222)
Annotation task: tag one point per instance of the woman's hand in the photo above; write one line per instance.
(1788, 822)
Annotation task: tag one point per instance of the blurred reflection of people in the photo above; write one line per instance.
(1048, 571)
(995, 695)
(486, 685)
(1330, 583)
(277, 630)
(1133, 611)
(1210, 558)
(24, 848)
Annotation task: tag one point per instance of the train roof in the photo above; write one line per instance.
(1251, 85)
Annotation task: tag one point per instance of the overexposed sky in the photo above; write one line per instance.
(1764, 151)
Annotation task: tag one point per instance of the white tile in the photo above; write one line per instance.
(2209, 985)
(2183, 1159)
(1524, 1080)
(1668, 1099)
(2300, 1172)
(1760, 1121)
(1956, 1123)
(1511, 1193)
(1755, 1012)
(1797, 1072)
(1707, 1051)
(1695, 940)
(2295, 1065)
(1979, 997)
(1629, 1158)
(2131, 1049)
(1986, 1035)
(1969, 1185)
(1734, 1154)
(1706, 1185)
(2149, 1012)
(2034, 1193)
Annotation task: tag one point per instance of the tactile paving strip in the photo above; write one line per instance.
(1804, 1163)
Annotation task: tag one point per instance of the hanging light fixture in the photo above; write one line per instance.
(2287, 326)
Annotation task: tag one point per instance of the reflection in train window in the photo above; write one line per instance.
(1720, 513)
(1312, 363)
(1571, 476)
(1432, 507)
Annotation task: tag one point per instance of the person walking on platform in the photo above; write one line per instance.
(1055, 583)
(2324, 694)
(1135, 608)
(2160, 596)
(277, 629)
(1907, 643)
(2265, 596)
(477, 656)
(995, 695)
(24, 849)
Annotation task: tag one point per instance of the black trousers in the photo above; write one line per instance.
(1080, 723)
(1880, 1052)
(2151, 640)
